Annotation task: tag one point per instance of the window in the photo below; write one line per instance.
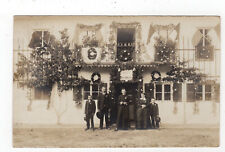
(198, 93)
(208, 92)
(190, 92)
(149, 90)
(40, 38)
(177, 91)
(204, 48)
(125, 44)
(86, 90)
(158, 91)
(93, 89)
(41, 93)
(167, 91)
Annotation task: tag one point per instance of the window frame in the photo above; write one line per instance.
(204, 36)
(91, 91)
(162, 90)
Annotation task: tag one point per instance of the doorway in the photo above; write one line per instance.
(132, 93)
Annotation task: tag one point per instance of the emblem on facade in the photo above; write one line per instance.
(92, 53)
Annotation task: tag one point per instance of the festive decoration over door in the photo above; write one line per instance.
(156, 76)
(95, 77)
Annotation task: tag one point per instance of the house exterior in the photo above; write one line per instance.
(121, 52)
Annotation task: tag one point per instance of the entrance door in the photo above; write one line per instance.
(132, 93)
(130, 87)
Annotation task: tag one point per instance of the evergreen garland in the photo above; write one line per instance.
(49, 64)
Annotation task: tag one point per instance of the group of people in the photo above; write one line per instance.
(146, 111)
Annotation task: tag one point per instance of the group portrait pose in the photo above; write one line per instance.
(125, 113)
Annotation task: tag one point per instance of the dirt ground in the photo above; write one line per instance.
(71, 137)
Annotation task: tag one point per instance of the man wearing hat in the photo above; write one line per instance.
(154, 113)
(103, 108)
(90, 109)
(122, 110)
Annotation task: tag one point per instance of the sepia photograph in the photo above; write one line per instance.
(116, 81)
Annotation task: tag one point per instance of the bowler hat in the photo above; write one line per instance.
(158, 119)
(99, 115)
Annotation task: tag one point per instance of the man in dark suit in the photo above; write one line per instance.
(90, 109)
(104, 107)
(122, 110)
(154, 113)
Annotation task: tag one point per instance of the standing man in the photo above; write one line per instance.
(154, 113)
(122, 110)
(104, 107)
(142, 113)
(90, 109)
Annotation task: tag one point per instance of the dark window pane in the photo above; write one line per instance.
(86, 95)
(190, 92)
(199, 88)
(95, 87)
(167, 96)
(158, 96)
(208, 96)
(86, 87)
(207, 88)
(198, 96)
(94, 95)
(158, 88)
(103, 85)
(177, 92)
(149, 90)
(167, 88)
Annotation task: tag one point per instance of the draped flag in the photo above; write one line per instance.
(150, 33)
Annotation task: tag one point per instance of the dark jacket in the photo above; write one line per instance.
(90, 107)
(123, 100)
(142, 102)
(103, 101)
(153, 109)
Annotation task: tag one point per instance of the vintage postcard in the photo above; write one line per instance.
(116, 81)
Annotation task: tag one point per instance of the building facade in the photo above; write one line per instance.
(137, 53)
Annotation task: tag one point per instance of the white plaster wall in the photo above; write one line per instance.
(208, 111)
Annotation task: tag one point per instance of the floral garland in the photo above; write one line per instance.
(112, 38)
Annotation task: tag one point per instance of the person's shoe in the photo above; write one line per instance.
(86, 129)
(93, 129)
(116, 129)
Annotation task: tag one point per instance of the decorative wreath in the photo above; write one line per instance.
(156, 76)
(92, 54)
(95, 77)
